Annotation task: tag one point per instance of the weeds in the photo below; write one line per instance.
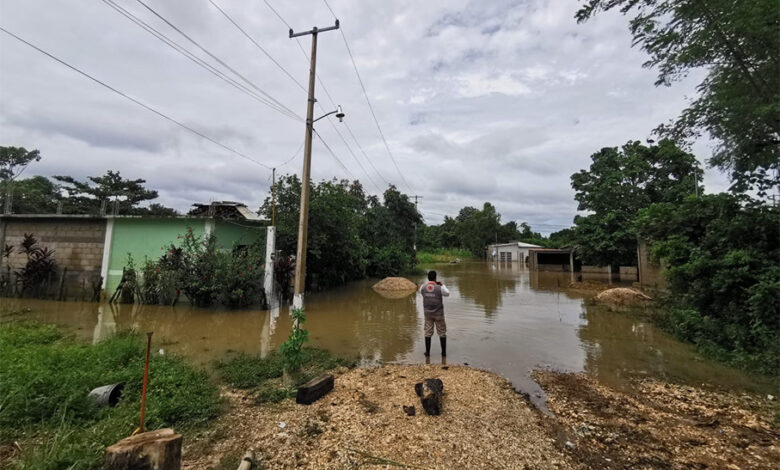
(44, 381)
(442, 255)
(263, 375)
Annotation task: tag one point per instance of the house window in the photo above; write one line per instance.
(505, 256)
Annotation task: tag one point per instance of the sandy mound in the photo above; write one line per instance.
(395, 284)
(623, 296)
(662, 426)
(484, 424)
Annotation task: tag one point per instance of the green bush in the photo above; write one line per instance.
(723, 270)
(387, 261)
(44, 381)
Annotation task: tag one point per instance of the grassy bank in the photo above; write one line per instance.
(45, 377)
(442, 255)
(265, 376)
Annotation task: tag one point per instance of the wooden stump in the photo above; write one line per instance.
(314, 389)
(430, 392)
(153, 450)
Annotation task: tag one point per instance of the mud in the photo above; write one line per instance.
(662, 426)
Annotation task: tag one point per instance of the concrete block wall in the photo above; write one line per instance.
(77, 244)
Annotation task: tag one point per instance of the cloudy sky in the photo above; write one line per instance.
(478, 100)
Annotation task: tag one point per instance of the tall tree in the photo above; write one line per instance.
(618, 184)
(738, 42)
(14, 160)
(87, 196)
(36, 195)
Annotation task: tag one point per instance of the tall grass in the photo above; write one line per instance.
(442, 255)
(263, 375)
(44, 381)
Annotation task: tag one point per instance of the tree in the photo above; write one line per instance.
(36, 195)
(617, 185)
(722, 259)
(14, 160)
(87, 197)
(739, 99)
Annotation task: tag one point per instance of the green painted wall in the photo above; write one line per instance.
(148, 237)
(143, 237)
(229, 233)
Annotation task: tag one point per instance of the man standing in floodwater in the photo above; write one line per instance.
(433, 306)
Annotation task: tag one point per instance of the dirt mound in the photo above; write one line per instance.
(361, 423)
(623, 296)
(395, 284)
(661, 426)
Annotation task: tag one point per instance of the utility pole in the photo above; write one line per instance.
(415, 225)
(273, 196)
(303, 223)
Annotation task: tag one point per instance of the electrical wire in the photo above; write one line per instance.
(220, 61)
(330, 97)
(197, 60)
(291, 158)
(259, 46)
(368, 101)
(333, 154)
(139, 103)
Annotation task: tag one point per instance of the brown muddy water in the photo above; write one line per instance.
(500, 317)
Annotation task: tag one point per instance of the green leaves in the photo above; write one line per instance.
(291, 349)
(737, 42)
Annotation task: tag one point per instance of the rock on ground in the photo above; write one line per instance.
(484, 424)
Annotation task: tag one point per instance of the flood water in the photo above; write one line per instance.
(500, 317)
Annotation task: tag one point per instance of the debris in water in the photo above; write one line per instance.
(623, 296)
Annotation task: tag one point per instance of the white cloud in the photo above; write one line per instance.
(495, 101)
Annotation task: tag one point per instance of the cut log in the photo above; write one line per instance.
(430, 392)
(314, 389)
(153, 450)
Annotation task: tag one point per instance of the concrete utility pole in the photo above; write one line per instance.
(303, 224)
(273, 196)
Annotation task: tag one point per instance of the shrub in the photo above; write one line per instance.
(44, 381)
(240, 276)
(387, 261)
(35, 275)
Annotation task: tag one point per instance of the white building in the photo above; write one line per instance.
(510, 252)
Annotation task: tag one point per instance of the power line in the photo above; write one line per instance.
(334, 155)
(139, 103)
(197, 60)
(220, 61)
(259, 46)
(353, 154)
(291, 158)
(330, 98)
(368, 101)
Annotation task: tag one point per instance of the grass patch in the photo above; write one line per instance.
(442, 255)
(45, 377)
(264, 376)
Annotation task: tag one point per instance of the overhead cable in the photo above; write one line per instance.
(139, 103)
(213, 56)
(197, 60)
(368, 101)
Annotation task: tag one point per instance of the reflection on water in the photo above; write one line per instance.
(500, 317)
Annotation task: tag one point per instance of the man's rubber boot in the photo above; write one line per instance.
(443, 340)
(427, 345)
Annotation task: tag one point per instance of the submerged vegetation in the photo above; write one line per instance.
(200, 270)
(45, 377)
(442, 255)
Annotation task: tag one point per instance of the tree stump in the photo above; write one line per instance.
(153, 450)
(314, 389)
(430, 392)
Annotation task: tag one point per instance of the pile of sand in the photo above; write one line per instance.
(623, 296)
(395, 284)
(484, 424)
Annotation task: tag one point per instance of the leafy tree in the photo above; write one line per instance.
(14, 160)
(617, 185)
(562, 238)
(86, 197)
(739, 99)
(722, 258)
(36, 195)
